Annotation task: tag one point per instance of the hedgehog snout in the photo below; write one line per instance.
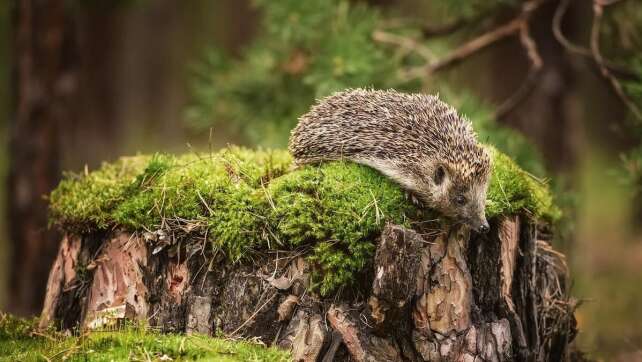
(480, 225)
(484, 228)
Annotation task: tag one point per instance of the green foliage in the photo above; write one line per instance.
(252, 200)
(18, 343)
(621, 32)
(306, 50)
(624, 29)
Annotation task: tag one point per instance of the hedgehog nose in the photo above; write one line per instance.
(484, 227)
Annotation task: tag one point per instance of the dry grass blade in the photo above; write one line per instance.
(253, 315)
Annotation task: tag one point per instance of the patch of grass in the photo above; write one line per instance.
(250, 200)
(19, 343)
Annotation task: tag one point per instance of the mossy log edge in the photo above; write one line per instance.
(448, 296)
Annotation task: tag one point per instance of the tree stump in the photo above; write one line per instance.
(430, 295)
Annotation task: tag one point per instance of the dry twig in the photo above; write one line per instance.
(520, 24)
(559, 35)
(473, 46)
(465, 50)
(405, 43)
(253, 315)
(430, 31)
(536, 64)
(558, 18)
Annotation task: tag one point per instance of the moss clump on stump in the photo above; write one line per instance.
(246, 200)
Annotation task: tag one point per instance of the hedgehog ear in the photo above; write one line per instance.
(440, 175)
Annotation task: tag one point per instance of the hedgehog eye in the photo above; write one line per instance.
(440, 174)
(460, 200)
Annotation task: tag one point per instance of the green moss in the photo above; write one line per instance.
(338, 207)
(17, 343)
(513, 190)
(85, 201)
(251, 200)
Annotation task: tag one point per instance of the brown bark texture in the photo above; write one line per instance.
(43, 82)
(443, 295)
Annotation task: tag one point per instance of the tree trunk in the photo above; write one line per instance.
(431, 295)
(43, 82)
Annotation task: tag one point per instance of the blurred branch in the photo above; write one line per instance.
(477, 44)
(519, 24)
(559, 35)
(598, 12)
(446, 29)
(607, 2)
(579, 50)
(465, 50)
(529, 82)
(405, 43)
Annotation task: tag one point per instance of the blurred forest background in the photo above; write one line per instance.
(557, 84)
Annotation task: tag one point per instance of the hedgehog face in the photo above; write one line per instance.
(459, 198)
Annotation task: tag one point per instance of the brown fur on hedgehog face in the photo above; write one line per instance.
(460, 199)
(457, 190)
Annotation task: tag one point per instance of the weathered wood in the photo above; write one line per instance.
(62, 274)
(444, 286)
(395, 266)
(487, 342)
(440, 294)
(117, 290)
(305, 336)
(286, 309)
(198, 315)
(361, 345)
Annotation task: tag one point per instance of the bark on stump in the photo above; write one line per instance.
(444, 295)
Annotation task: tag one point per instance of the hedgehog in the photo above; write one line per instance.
(416, 140)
